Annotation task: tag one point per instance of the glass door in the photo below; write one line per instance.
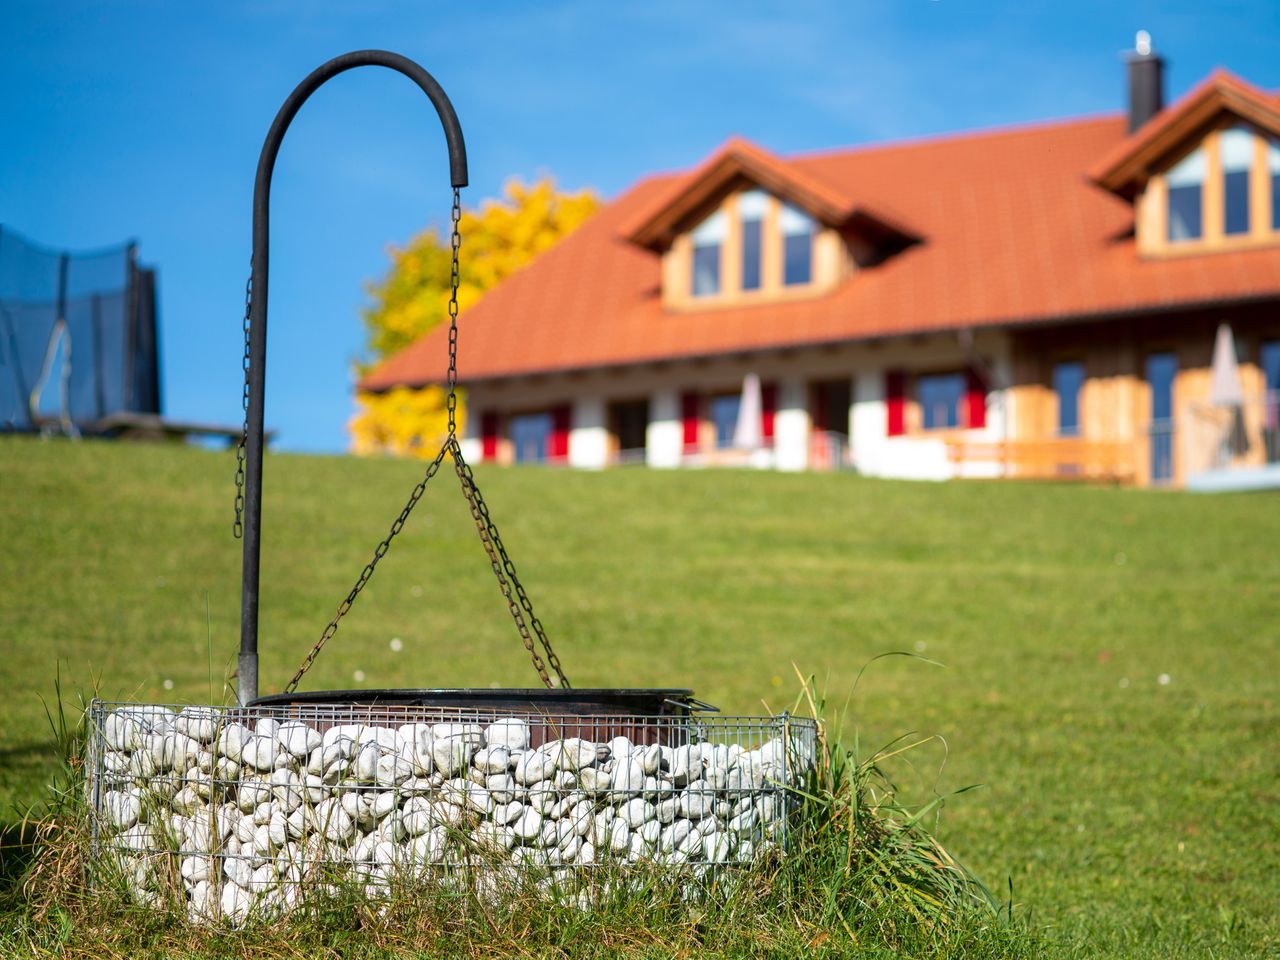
(1162, 368)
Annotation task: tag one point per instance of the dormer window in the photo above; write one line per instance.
(1237, 151)
(754, 244)
(1185, 183)
(708, 239)
(1224, 194)
(797, 246)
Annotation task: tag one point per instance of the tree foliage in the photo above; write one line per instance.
(413, 298)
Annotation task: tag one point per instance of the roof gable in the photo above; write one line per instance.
(656, 225)
(1125, 168)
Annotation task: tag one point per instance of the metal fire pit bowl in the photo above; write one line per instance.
(597, 715)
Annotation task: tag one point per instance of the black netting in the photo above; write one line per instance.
(77, 336)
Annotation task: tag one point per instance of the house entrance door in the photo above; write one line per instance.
(1162, 368)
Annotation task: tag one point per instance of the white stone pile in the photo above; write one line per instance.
(247, 814)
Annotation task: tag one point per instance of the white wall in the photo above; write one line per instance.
(664, 437)
(791, 425)
(588, 434)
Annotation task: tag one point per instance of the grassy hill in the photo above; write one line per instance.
(1112, 657)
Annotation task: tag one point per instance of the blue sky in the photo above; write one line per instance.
(144, 119)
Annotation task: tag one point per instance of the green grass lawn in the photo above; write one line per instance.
(1112, 657)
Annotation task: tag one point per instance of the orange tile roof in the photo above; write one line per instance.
(1013, 233)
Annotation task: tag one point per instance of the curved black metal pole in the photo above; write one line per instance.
(247, 673)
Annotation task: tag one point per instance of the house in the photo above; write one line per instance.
(1034, 301)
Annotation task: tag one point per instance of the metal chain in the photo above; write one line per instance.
(237, 526)
(455, 278)
(491, 548)
(505, 571)
(518, 602)
(367, 572)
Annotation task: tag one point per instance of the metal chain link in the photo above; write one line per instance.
(237, 526)
(518, 602)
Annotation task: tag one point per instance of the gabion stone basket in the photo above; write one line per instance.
(244, 811)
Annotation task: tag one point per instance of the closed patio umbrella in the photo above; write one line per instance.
(1226, 390)
(746, 432)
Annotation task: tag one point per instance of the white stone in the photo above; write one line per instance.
(260, 753)
(490, 760)
(505, 813)
(297, 738)
(676, 834)
(651, 760)
(636, 812)
(618, 837)
(451, 754)
(628, 777)
(469, 731)
(595, 780)
(511, 733)
(528, 825)
(236, 902)
(391, 770)
(199, 723)
(534, 767)
(266, 727)
(695, 804)
(123, 731)
(574, 753)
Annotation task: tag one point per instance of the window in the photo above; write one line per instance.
(724, 415)
(1068, 379)
(1236, 146)
(751, 209)
(1185, 181)
(941, 395)
(1269, 360)
(797, 246)
(531, 437)
(708, 238)
(1273, 174)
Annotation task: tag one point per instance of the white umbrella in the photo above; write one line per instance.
(746, 432)
(1225, 389)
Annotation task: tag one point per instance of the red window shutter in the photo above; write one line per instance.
(561, 419)
(689, 410)
(768, 410)
(489, 435)
(975, 401)
(895, 402)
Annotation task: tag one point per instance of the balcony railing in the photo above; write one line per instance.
(1057, 458)
(1240, 438)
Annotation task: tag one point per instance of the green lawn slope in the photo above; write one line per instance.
(1111, 657)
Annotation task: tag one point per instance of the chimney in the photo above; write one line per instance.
(1146, 82)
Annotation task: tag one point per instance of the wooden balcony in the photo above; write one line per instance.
(1059, 458)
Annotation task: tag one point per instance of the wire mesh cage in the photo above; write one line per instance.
(245, 810)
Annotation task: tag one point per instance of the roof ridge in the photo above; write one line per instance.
(934, 139)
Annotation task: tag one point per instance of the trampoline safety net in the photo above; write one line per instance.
(77, 336)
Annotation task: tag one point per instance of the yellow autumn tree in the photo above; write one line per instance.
(413, 298)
